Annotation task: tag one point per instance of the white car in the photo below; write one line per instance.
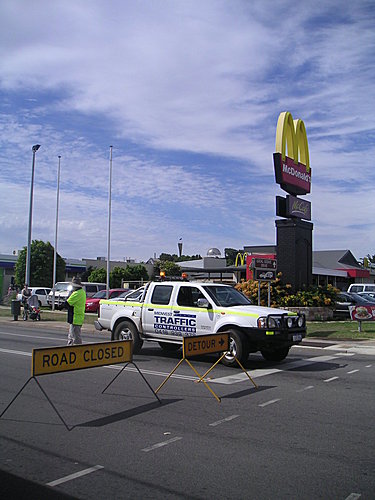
(40, 292)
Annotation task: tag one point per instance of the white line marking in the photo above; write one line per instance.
(368, 366)
(159, 445)
(116, 367)
(241, 377)
(345, 354)
(353, 496)
(22, 353)
(28, 336)
(152, 372)
(330, 379)
(353, 371)
(306, 388)
(228, 419)
(75, 475)
(269, 402)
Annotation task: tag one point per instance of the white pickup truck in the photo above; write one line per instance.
(164, 312)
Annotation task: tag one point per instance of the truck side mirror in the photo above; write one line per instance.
(203, 303)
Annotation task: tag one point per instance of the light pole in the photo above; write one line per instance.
(28, 255)
(109, 219)
(55, 249)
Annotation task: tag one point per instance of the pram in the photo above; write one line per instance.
(32, 308)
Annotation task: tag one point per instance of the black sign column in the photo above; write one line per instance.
(294, 235)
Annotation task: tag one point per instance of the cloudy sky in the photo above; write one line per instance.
(188, 94)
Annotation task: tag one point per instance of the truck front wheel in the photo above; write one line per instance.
(275, 354)
(237, 349)
(127, 331)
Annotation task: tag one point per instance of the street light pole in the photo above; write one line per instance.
(109, 219)
(28, 255)
(56, 227)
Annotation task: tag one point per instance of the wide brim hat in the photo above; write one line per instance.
(76, 282)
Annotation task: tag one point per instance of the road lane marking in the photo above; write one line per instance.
(353, 496)
(28, 336)
(153, 372)
(75, 475)
(330, 379)
(227, 419)
(118, 367)
(22, 353)
(262, 405)
(163, 443)
(353, 371)
(368, 366)
(306, 388)
(241, 377)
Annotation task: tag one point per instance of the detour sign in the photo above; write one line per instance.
(77, 357)
(205, 344)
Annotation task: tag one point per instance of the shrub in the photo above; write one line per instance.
(282, 296)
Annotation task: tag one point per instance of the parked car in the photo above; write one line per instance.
(40, 292)
(92, 303)
(367, 295)
(345, 300)
(361, 287)
(132, 295)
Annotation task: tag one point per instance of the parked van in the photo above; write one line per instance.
(63, 291)
(361, 287)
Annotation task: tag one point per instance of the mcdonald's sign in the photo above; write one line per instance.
(292, 172)
(240, 259)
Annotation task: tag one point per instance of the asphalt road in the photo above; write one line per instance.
(307, 432)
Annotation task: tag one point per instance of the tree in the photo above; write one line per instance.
(119, 274)
(85, 275)
(41, 265)
(116, 276)
(98, 276)
(170, 268)
(230, 255)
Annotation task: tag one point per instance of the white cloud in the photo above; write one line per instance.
(202, 81)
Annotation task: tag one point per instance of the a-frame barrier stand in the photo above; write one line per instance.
(200, 345)
(78, 357)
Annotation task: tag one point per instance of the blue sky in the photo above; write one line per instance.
(188, 94)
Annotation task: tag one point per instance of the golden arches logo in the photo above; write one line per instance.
(292, 133)
(240, 257)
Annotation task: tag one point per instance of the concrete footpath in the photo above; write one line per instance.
(366, 346)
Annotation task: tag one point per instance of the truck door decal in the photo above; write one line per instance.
(178, 324)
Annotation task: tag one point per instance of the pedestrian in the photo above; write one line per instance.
(76, 311)
(26, 294)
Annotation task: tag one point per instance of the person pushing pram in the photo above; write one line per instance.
(33, 308)
(30, 305)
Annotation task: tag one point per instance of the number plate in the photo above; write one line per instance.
(297, 337)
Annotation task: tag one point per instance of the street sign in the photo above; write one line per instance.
(265, 264)
(264, 275)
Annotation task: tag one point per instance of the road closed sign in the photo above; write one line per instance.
(78, 357)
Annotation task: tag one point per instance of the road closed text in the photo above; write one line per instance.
(61, 359)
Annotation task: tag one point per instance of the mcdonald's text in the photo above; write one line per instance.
(293, 177)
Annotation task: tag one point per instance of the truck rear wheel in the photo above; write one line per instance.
(127, 331)
(237, 349)
(275, 354)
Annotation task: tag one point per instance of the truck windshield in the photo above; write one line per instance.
(227, 296)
